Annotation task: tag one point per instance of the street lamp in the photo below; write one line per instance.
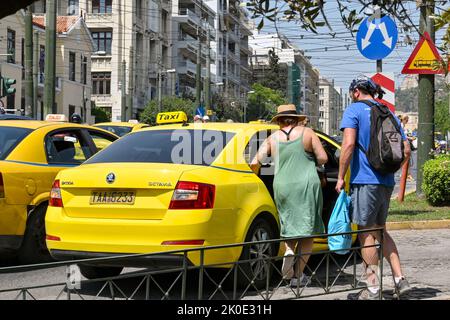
(160, 85)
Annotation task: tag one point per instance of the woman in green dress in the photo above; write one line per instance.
(296, 151)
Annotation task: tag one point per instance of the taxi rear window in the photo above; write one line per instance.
(10, 138)
(199, 147)
(119, 130)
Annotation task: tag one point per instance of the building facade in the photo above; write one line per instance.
(330, 107)
(132, 45)
(193, 30)
(74, 46)
(233, 29)
(302, 82)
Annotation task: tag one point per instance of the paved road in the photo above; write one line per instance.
(424, 254)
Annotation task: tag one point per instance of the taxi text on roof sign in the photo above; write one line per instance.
(56, 117)
(171, 117)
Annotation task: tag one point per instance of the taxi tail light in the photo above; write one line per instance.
(193, 195)
(55, 195)
(2, 187)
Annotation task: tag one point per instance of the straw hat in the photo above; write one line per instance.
(288, 110)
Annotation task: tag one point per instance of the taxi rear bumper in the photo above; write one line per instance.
(123, 259)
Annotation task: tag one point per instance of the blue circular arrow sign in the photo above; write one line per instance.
(376, 38)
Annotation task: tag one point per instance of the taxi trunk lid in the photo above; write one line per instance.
(88, 191)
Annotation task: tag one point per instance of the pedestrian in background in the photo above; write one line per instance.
(297, 189)
(404, 119)
(370, 191)
(198, 119)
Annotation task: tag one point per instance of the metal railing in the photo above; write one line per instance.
(203, 281)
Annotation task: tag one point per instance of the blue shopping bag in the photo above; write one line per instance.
(339, 223)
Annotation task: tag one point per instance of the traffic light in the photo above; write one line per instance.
(6, 84)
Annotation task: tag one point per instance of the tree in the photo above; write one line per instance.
(226, 109)
(100, 115)
(276, 75)
(441, 116)
(310, 15)
(263, 102)
(168, 104)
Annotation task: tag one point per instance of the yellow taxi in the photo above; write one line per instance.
(121, 128)
(31, 154)
(173, 187)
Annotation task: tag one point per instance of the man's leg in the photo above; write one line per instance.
(390, 252)
(370, 257)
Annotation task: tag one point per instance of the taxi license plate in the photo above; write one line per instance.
(112, 197)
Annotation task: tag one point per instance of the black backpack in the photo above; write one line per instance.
(385, 153)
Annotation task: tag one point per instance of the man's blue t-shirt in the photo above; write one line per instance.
(357, 116)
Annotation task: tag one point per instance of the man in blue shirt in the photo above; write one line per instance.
(370, 190)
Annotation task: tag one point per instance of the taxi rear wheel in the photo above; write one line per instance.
(94, 272)
(34, 249)
(259, 268)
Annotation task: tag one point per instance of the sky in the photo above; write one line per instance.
(338, 58)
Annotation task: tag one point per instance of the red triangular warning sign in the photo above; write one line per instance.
(425, 58)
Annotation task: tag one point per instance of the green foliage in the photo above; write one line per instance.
(276, 75)
(436, 180)
(100, 115)
(168, 104)
(263, 103)
(226, 109)
(310, 15)
(441, 115)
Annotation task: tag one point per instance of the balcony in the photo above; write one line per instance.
(187, 67)
(246, 27)
(245, 67)
(101, 63)
(189, 47)
(234, 57)
(245, 48)
(98, 18)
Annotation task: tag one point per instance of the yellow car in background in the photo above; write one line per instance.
(121, 128)
(31, 154)
(173, 187)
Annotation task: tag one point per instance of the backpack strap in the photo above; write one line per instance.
(370, 104)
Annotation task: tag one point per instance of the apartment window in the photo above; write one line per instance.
(102, 41)
(11, 46)
(101, 83)
(139, 9)
(101, 6)
(321, 103)
(72, 66)
(83, 69)
(72, 7)
(320, 114)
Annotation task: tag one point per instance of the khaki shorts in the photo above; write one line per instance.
(370, 204)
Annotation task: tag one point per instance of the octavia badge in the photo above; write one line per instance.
(110, 178)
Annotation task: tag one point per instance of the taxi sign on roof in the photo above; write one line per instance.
(171, 117)
(425, 58)
(56, 118)
(134, 121)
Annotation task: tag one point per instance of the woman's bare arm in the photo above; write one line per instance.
(263, 151)
(318, 149)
